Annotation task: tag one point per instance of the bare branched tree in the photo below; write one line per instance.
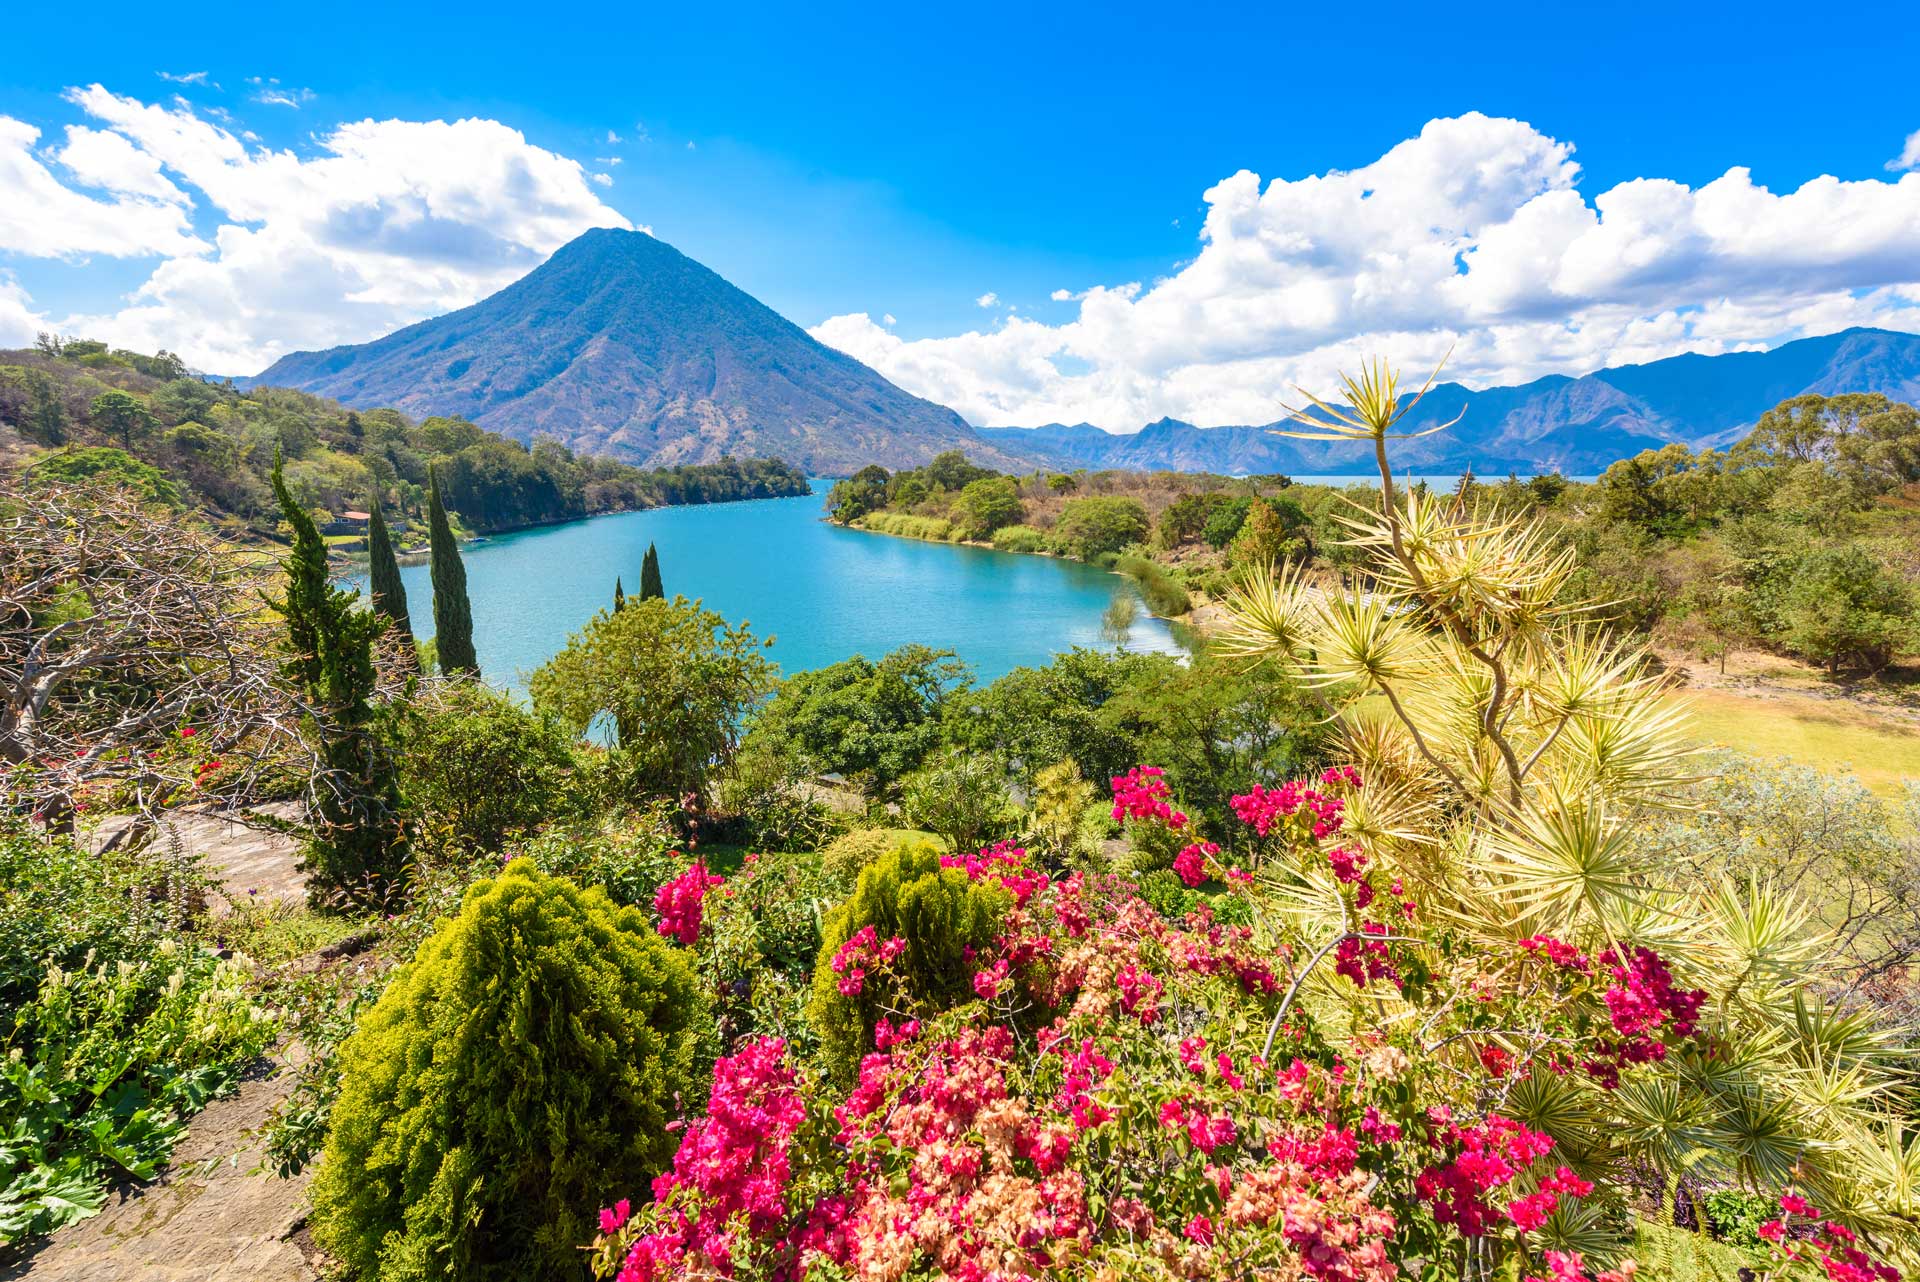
(137, 665)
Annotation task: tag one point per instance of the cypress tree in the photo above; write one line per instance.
(619, 595)
(389, 594)
(359, 844)
(650, 576)
(452, 613)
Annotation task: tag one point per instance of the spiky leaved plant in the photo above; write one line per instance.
(1510, 742)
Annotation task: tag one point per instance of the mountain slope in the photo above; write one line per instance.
(1579, 425)
(620, 344)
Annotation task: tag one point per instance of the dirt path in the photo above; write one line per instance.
(209, 1218)
(244, 860)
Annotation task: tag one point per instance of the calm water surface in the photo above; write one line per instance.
(821, 591)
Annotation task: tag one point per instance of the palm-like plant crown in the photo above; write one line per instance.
(1512, 744)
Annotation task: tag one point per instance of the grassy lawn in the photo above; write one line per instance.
(1883, 751)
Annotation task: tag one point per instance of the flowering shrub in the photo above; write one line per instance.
(1115, 1093)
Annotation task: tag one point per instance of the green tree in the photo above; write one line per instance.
(1091, 526)
(619, 595)
(870, 722)
(950, 470)
(359, 842)
(1275, 530)
(452, 613)
(518, 1073)
(1034, 717)
(650, 586)
(1841, 608)
(672, 681)
(863, 492)
(1224, 521)
(1185, 518)
(122, 414)
(476, 767)
(46, 418)
(988, 504)
(389, 593)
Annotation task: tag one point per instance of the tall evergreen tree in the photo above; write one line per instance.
(452, 613)
(389, 593)
(650, 576)
(619, 594)
(359, 841)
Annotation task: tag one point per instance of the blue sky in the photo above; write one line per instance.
(907, 162)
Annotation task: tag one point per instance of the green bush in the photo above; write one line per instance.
(518, 1073)
(104, 465)
(940, 914)
(63, 905)
(962, 796)
(477, 767)
(1164, 596)
(103, 1068)
(628, 854)
(1019, 538)
(842, 861)
(987, 505)
(757, 945)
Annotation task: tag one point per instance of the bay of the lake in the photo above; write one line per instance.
(823, 592)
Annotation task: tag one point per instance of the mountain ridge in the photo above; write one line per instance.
(1574, 424)
(620, 344)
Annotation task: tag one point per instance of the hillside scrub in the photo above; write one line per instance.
(178, 437)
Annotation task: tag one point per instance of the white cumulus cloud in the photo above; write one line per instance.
(389, 222)
(1909, 157)
(987, 299)
(1472, 234)
(43, 217)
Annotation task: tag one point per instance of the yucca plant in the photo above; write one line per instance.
(1512, 746)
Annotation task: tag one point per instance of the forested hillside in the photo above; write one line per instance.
(78, 408)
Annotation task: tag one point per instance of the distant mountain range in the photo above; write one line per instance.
(619, 344)
(1578, 425)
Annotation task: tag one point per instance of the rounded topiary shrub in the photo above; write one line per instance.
(516, 1075)
(936, 913)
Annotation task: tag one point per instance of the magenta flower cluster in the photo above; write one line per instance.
(678, 902)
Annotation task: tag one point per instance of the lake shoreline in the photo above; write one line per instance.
(1191, 619)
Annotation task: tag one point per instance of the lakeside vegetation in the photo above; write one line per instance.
(78, 409)
(1396, 933)
(1800, 540)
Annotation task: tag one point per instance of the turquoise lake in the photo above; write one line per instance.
(821, 591)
